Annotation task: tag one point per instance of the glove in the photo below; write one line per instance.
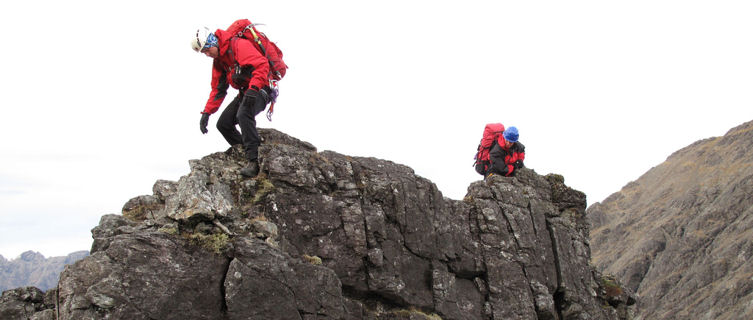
(505, 170)
(204, 122)
(249, 98)
(518, 164)
(264, 95)
(252, 97)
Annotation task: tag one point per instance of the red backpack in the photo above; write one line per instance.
(243, 28)
(492, 131)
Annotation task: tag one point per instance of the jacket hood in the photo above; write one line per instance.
(224, 40)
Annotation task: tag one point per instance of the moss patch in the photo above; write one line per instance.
(264, 187)
(169, 230)
(611, 287)
(139, 213)
(313, 259)
(216, 242)
(413, 313)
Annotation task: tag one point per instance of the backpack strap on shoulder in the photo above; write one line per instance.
(258, 42)
(256, 39)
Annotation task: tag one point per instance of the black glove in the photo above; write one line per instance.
(518, 164)
(264, 95)
(505, 170)
(249, 97)
(204, 122)
(253, 97)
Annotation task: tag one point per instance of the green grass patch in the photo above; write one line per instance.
(216, 242)
(415, 312)
(611, 287)
(139, 213)
(264, 187)
(313, 259)
(169, 230)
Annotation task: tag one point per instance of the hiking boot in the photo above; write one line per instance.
(252, 169)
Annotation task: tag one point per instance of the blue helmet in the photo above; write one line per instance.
(511, 134)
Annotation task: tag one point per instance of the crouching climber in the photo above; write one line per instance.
(507, 154)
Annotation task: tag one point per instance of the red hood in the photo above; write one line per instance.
(223, 40)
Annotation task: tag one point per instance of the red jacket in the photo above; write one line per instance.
(235, 54)
(506, 161)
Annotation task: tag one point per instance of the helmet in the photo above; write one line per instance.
(199, 39)
(511, 134)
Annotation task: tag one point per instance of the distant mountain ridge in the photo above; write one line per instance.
(681, 236)
(33, 269)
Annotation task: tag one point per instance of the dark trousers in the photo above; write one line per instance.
(243, 114)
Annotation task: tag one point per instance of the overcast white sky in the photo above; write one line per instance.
(100, 98)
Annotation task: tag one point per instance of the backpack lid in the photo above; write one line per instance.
(238, 26)
(491, 131)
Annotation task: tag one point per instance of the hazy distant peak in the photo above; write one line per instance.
(31, 268)
(29, 256)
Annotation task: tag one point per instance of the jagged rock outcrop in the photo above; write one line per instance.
(28, 303)
(320, 235)
(681, 235)
(34, 270)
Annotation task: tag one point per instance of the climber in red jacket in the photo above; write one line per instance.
(239, 64)
(507, 154)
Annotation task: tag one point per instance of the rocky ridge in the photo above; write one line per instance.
(681, 235)
(33, 269)
(320, 235)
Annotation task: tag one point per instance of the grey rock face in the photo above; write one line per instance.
(263, 283)
(146, 274)
(320, 235)
(681, 235)
(25, 303)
